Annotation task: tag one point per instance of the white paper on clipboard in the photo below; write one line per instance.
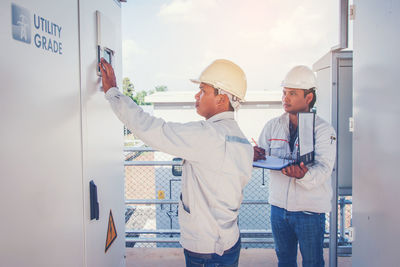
(306, 122)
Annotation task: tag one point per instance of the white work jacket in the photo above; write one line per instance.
(217, 165)
(313, 192)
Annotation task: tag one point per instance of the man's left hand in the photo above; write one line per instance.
(107, 75)
(295, 171)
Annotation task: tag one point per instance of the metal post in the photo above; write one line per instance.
(342, 205)
(170, 205)
(333, 228)
(343, 26)
(333, 218)
(263, 178)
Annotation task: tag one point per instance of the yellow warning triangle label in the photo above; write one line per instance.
(111, 231)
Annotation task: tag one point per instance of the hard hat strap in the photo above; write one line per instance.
(234, 100)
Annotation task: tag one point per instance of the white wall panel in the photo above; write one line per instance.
(57, 133)
(40, 140)
(102, 140)
(376, 143)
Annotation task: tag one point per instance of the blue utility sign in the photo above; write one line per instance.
(21, 24)
(46, 34)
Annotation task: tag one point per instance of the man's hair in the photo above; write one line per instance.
(311, 91)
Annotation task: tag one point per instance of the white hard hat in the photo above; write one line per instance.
(225, 75)
(300, 77)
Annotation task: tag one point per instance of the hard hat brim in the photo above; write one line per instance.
(195, 80)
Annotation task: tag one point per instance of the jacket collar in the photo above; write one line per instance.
(285, 122)
(227, 115)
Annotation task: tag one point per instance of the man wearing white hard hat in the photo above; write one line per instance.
(217, 160)
(300, 195)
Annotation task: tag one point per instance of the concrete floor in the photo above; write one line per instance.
(173, 257)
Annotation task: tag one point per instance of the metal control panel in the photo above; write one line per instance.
(105, 39)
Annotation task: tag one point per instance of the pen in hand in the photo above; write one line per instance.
(254, 141)
(259, 152)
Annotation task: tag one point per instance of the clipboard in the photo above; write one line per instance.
(273, 163)
(306, 142)
(306, 138)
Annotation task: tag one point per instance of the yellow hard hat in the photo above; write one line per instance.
(226, 75)
(300, 77)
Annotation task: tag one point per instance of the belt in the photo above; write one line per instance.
(210, 255)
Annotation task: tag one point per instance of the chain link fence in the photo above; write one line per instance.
(155, 191)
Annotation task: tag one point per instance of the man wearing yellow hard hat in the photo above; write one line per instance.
(299, 195)
(217, 160)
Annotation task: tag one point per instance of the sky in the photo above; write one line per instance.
(168, 42)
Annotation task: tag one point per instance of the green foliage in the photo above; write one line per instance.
(139, 98)
(128, 87)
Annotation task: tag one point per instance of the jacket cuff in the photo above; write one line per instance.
(112, 93)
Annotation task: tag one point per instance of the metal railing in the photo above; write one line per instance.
(161, 228)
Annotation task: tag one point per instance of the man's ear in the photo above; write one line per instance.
(309, 98)
(219, 99)
(223, 100)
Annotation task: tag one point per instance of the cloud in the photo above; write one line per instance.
(130, 52)
(130, 48)
(265, 38)
(298, 30)
(192, 11)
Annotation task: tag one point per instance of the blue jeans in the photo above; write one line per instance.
(290, 228)
(230, 258)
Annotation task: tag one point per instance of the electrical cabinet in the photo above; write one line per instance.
(57, 134)
(335, 105)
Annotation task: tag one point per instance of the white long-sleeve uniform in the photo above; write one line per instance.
(314, 191)
(217, 165)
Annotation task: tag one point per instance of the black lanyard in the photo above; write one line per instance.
(293, 136)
